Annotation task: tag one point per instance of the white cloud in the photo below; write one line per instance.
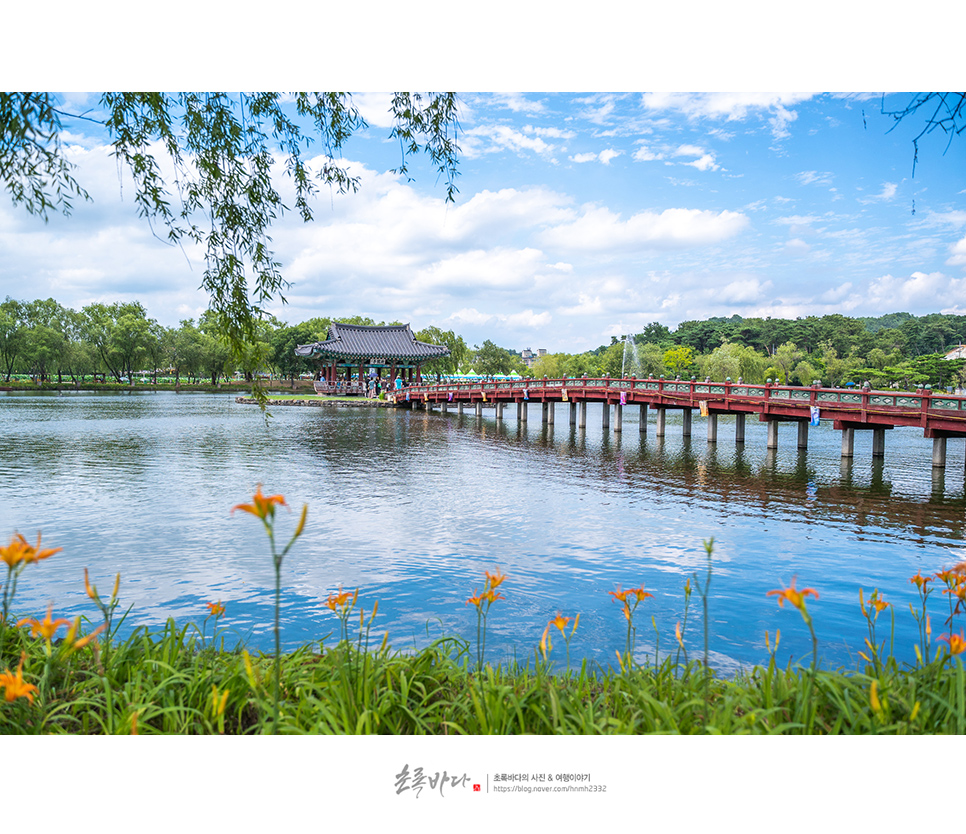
(814, 177)
(600, 229)
(731, 106)
(958, 251)
(887, 193)
(796, 246)
(583, 157)
(604, 157)
(493, 138)
(607, 155)
(645, 154)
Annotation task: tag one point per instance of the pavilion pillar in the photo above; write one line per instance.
(848, 443)
(802, 434)
(739, 428)
(686, 419)
(878, 443)
(939, 451)
(618, 417)
(712, 428)
(772, 435)
(582, 422)
(661, 421)
(643, 426)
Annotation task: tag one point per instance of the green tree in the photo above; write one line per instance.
(457, 350)
(223, 149)
(490, 360)
(679, 360)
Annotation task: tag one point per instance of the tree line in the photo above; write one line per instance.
(119, 341)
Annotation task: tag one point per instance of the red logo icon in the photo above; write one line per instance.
(476, 787)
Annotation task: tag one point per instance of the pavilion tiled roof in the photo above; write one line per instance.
(360, 342)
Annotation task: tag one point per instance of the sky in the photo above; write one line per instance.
(580, 217)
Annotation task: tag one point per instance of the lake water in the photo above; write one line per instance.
(412, 507)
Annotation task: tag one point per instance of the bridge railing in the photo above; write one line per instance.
(922, 398)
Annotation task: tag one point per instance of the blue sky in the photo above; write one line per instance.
(580, 216)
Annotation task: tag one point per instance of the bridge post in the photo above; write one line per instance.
(459, 408)
(499, 412)
(573, 412)
(848, 443)
(443, 406)
(522, 411)
(802, 434)
(618, 417)
(878, 443)
(643, 426)
(739, 428)
(545, 412)
(686, 415)
(583, 414)
(479, 408)
(939, 451)
(550, 412)
(605, 415)
(772, 435)
(661, 421)
(712, 428)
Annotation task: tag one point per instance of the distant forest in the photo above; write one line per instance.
(44, 340)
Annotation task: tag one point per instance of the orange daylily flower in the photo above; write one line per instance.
(19, 551)
(46, 627)
(619, 594)
(919, 580)
(957, 642)
(341, 599)
(15, 685)
(75, 645)
(793, 595)
(494, 580)
(262, 506)
(216, 609)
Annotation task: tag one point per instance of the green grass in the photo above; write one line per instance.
(168, 681)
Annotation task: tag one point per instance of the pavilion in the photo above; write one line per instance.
(356, 348)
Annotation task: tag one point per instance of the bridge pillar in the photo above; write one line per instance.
(544, 412)
(443, 406)
(739, 428)
(618, 417)
(479, 408)
(550, 412)
(459, 408)
(583, 414)
(499, 412)
(848, 443)
(686, 415)
(802, 434)
(661, 421)
(522, 411)
(605, 416)
(878, 443)
(643, 426)
(939, 451)
(573, 412)
(772, 435)
(712, 428)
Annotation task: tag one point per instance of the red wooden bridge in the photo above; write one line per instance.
(940, 415)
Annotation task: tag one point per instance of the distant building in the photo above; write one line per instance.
(529, 357)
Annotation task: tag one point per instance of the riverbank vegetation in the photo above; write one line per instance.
(46, 343)
(81, 677)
